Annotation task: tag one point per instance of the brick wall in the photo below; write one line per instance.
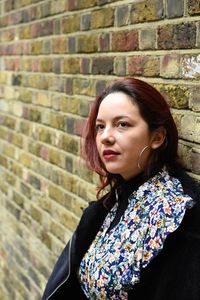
(55, 56)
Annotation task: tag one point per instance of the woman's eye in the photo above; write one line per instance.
(123, 124)
(99, 127)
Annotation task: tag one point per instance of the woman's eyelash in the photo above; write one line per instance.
(123, 124)
(118, 124)
(99, 126)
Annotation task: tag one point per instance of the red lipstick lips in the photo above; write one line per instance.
(109, 154)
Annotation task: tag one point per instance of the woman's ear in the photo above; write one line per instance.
(158, 138)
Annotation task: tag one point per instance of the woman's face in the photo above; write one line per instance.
(121, 135)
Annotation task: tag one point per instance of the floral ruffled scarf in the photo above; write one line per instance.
(112, 264)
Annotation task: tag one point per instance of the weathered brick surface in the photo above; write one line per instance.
(147, 10)
(177, 36)
(144, 65)
(125, 40)
(55, 57)
(175, 8)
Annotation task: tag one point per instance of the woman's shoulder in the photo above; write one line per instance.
(191, 185)
(95, 206)
(191, 223)
(94, 213)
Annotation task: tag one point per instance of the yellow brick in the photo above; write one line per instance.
(56, 193)
(70, 105)
(71, 65)
(9, 151)
(71, 24)
(102, 18)
(25, 159)
(3, 187)
(10, 179)
(42, 99)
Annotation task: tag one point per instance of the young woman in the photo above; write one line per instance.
(141, 239)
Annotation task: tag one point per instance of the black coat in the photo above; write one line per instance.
(174, 274)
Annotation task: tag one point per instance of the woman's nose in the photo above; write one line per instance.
(107, 136)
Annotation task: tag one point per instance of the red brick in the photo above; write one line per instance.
(125, 40)
(85, 65)
(104, 42)
(72, 4)
(144, 65)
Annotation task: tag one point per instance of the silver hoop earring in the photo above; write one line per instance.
(140, 155)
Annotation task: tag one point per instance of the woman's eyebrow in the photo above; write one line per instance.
(115, 118)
